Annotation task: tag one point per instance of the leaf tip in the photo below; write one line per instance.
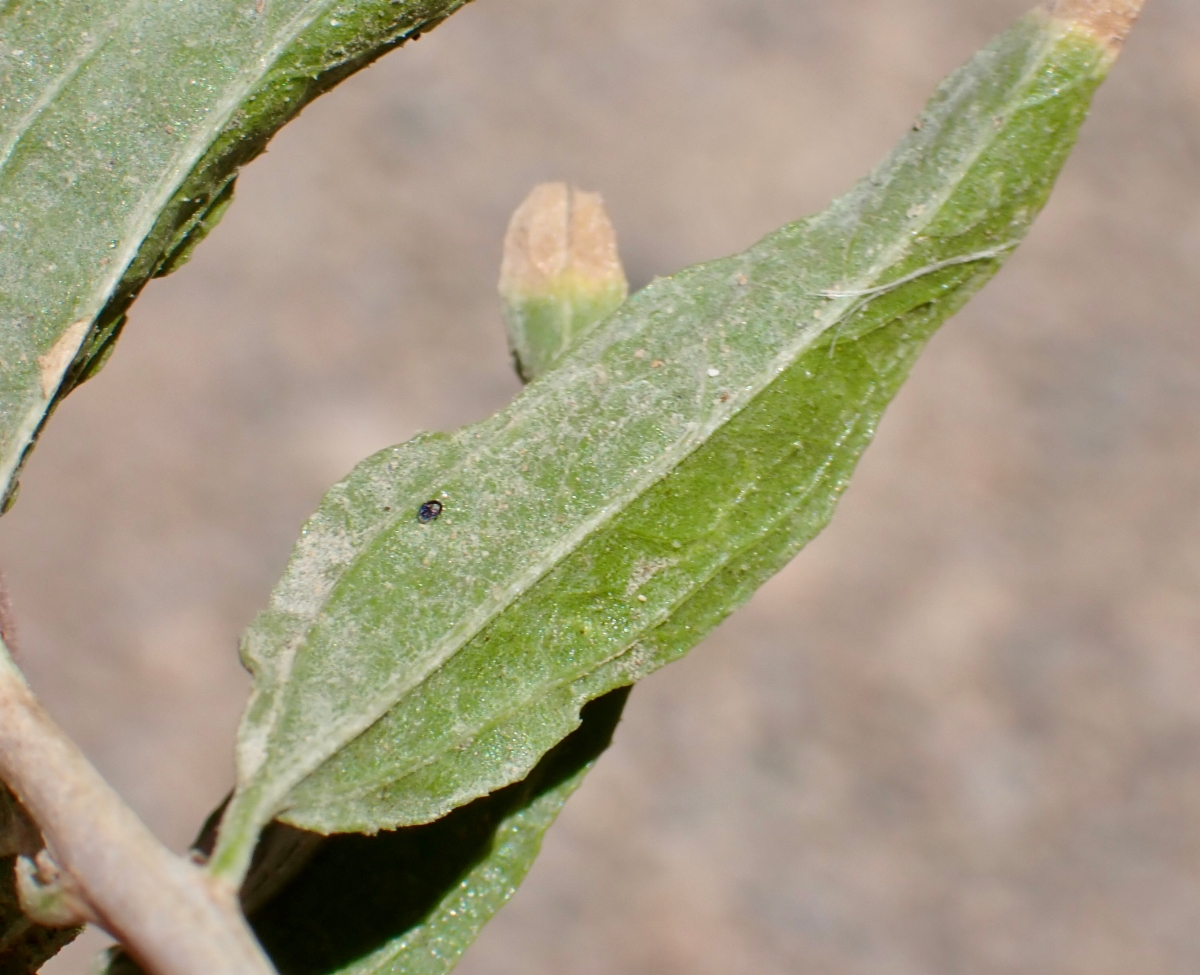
(559, 232)
(1108, 21)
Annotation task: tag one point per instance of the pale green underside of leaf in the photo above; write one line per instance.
(634, 495)
(122, 126)
(411, 901)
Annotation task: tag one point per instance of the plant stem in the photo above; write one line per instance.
(170, 915)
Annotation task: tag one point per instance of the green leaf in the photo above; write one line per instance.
(413, 899)
(24, 945)
(634, 495)
(122, 127)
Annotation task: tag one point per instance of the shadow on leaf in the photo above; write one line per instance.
(319, 904)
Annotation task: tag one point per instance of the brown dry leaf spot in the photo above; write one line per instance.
(54, 363)
(557, 230)
(1109, 20)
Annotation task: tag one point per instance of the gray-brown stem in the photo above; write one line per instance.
(167, 912)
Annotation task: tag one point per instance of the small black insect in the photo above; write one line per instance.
(429, 511)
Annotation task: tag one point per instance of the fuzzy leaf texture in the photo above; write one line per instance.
(639, 491)
(414, 899)
(411, 900)
(122, 127)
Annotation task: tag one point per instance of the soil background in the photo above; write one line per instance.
(959, 734)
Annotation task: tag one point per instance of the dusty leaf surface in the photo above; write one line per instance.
(122, 127)
(634, 495)
(412, 900)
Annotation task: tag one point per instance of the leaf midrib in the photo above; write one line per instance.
(488, 610)
(83, 55)
(289, 771)
(545, 690)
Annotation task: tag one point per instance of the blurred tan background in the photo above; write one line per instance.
(960, 734)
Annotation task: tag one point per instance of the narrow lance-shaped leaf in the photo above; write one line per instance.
(413, 900)
(122, 127)
(636, 493)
